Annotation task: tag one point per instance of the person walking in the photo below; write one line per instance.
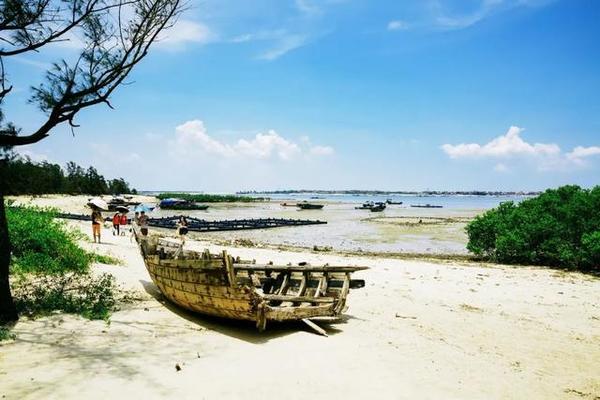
(97, 222)
(182, 228)
(123, 222)
(143, 223)
(116, 220)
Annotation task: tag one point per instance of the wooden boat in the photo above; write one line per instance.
(220, 285)
(365, 206)
(425, 206)
(390, 202)
(180, 204)
(378, 207)
(309, 206)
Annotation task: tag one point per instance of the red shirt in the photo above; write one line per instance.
(123, 219)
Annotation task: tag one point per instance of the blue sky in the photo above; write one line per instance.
(341, 94)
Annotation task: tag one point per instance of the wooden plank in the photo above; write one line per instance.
(296, 313)
(298, 268)
(303, 299)
(315, 327)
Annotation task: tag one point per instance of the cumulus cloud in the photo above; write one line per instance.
(548, 156)
(184, 32)
(580, 152)
(191, 137)
(509, 144)
(396, 25)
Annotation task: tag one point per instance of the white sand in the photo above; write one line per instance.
(417, 330)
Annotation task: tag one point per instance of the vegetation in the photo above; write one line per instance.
(23, 176)
(560, 227)
(209, 198)
(51, 272)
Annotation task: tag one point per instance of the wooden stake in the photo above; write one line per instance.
(315, 327)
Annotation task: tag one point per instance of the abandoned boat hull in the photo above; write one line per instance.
(220, 286)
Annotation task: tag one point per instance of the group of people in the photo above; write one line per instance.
(140, 220)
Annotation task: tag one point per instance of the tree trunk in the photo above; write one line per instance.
(8, 311)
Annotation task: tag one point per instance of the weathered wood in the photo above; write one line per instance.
(298, 268)
(315, 327)
(295, 313)
(303, 299)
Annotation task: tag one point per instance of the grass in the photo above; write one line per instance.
(51, 272)
(210, 198)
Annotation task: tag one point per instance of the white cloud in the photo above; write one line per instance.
(192, 138)
(264, 145)
(580, 152)
(321, 150)
(284, 46)
(510, 144)
(184, 32)
(307, 7)
(547, 156)
(397, 25)
(25, 151)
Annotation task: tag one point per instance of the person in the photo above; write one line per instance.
(136, 217)
(123, 222)
(116, 220)
(182, 228)
(143, 223)
(97, 222)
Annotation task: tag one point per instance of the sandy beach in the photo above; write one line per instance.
(417, 330)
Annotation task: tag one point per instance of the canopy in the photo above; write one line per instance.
(143, 207)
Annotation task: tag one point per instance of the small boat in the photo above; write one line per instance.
(426, 206)
(390, 202)
(180, 204)
(366, 206)
(378, 207)
(289, 205)
(224, 286)
(309, 206)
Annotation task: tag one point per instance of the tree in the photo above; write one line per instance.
(116, 36)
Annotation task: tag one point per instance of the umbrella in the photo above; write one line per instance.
(122, 209)
(143, 207)
(98, 203)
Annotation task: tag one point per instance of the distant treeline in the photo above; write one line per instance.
(386, 192)
(209, 198)
(23, 176)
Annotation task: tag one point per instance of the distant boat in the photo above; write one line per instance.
(309, 206)
(389, 201)
(425, 206)
(378, 207)
(180, 204)
(366, 206)
(289, 204)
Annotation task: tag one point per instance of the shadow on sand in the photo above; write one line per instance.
(243, 330)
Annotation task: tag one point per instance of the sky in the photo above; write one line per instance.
(345, 94)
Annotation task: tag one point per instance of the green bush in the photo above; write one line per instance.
(51, 272)
(42, 244)
(559, 228)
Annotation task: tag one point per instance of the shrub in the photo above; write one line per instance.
(560, 227)
(42, 244)
(51, 272)
(92, 297)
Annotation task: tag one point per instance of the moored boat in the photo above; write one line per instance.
(223, 286)
(309, 206)
(378, 207)
(365, 206)
(391, 202)
(426, 206)
(180, 204)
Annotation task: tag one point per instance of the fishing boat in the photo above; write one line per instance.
(365, 206)
(390, 202)
(224, 286)
(378, 207)
(426, 206)
(309, 206)
(180, 204)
